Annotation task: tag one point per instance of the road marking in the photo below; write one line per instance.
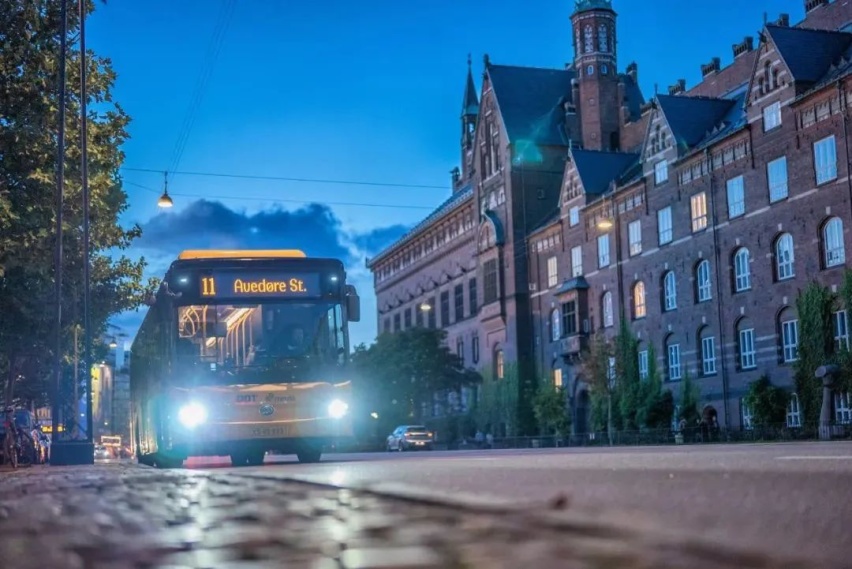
(813, 458)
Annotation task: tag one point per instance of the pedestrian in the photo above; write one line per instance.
(489, 441)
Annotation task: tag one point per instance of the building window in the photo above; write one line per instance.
(736, 197)
(664, 225)
(842, 408)
(794, 412)
(776, 173)
(490, 278)
(499, 369)
(784, 257)
(742, 270)
(458, 297)
(841, 330)
(610, 370)
(472, 296)
(790, 340)
(603, 251)
(574, 216)
(418, 316)
(702, 281)
(590, 70)
(708, 355)
(661, 172)
(748, 354)
(569, 318)
(474, 349)
(698, 207)
(673, 351)
(397, 322)
(748, 423)
(771, 116)
(634, 232)
(643, 364)
(552, 272)
(555, 324)
(407, 318)
(670, 291)
(557, 378)
(445, 309)
(639, 300)
(460, 348)
(387, 325)
(577, 261)
(608, 317)
(825, 160)
(433, 315)
(832, 243)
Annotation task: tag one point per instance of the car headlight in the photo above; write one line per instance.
(337, 409)
(192, 414)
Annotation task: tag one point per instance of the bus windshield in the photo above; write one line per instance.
(242, 336)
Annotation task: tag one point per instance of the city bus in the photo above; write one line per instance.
(243, 353)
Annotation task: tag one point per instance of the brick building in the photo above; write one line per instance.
(698, 213)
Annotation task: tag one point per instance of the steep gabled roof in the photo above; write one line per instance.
(530, 100)
(470, 104)
(692, 119)
(809, 53)
(598, 169)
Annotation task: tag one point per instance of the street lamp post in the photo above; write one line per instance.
(84, 178)
(605, 224)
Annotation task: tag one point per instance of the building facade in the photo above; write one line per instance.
(697, 215)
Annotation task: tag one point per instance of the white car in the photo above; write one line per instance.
(410, 437)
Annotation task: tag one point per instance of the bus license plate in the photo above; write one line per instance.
(278, 431)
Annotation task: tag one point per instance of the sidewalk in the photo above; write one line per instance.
(128, 516)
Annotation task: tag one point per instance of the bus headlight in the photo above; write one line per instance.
(337, 409)
(192, 414)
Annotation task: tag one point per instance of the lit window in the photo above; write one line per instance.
(661, 172)
(552, 272)
(776, 173)
(698, 207)
(664, 225)
(670, 291)
(702, 281)
(557, 378)
(736, 197)
(634, 232)
(603, 251)
(832, 239)
(639, 310)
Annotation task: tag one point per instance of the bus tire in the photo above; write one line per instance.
(167, 462)
(309, 455)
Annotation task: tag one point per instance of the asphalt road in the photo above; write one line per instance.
(793, 499)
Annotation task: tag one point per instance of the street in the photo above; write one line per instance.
(789, 499)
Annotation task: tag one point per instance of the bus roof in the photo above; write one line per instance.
(240, 254)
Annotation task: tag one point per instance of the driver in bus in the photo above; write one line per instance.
(297, 340)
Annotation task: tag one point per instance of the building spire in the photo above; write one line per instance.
(470, 105)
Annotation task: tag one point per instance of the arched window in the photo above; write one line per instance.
(639, 309)
(742, 270)
(669, 291)
(499, 370)
(746, 351)
(555, 324)
(606, 309)
(702, 281)
(673, 367)
(766, 78)
(589, 39)
(486, 237)
(784, 257)
(832, 243)
(774, 74)
(707, 351)
(603, 38)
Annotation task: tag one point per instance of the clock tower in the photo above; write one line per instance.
(597, 75)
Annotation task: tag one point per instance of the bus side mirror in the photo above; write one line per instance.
(353, 307)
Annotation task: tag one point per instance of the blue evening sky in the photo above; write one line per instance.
(342, 90)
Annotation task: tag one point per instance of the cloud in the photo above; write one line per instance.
(206, 224)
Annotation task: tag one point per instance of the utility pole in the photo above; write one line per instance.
(84, 178)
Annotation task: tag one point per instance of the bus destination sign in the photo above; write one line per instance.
(260, 284)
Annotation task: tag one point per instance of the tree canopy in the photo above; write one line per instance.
(29, 104)
(400, 373)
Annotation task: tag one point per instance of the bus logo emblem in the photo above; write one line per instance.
(266, 409)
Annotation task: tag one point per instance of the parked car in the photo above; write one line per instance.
(410, 437)
(102, 453)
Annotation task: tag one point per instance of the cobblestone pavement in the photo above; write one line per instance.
(124, 515)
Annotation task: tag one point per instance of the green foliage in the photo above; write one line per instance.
(844, 355)
(595, 366)
(549, 409)
(498, 401)
(628, 386)
(815, 305)
(656, 406)
(689, 397)
(27, 195)
(400, 373)
(768, 402)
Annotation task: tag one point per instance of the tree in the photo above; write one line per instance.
(657, 406)
(400, 373)
(628, 382)
(768, 403)
(549, 409)
(28, 146)
(815, 305)
(689, 398)
(596, 367)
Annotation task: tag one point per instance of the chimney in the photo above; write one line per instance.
(633, 72)
(811, 5)
(678, 87)
(710, 68)
(783, 21)
(744, 46)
